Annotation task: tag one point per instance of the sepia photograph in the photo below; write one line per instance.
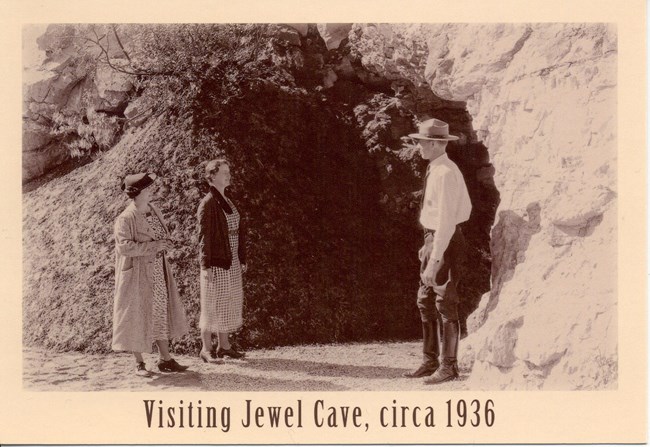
(303, 186)
(285, 231)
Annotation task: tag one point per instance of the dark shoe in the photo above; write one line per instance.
(425, 369)
(445, 373)
(230, 353)
(209, 358)
(142, 371)
(170, 366)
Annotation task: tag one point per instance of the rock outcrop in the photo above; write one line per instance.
(542, 99)
(334, 33)
(63, 83)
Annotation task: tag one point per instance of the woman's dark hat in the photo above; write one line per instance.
(135, 183)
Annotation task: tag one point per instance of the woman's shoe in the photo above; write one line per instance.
(230, 353)
(142, 371)
(170, 366)
(207, 358)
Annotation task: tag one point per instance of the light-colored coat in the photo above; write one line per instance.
(135, 252)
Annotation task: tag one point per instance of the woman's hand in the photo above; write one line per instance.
(165, 245)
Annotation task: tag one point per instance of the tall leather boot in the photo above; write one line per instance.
(430, 351)
(448, 370)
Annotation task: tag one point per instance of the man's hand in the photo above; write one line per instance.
(244, 267)
(440, 290)
(429, 274)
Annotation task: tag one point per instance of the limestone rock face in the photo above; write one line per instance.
(333, 33)
(40, 149)
(113, 88)
(396, 51)
(302, 28)
(60, 83)
(137, 113)
(50, 87)
(542, 98)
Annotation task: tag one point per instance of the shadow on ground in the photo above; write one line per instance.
(230, 382)
(325, 369)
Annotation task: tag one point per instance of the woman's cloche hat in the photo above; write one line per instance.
(433, 129)
(135, 183)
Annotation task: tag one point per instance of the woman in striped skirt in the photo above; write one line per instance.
(222, 258)
(147, 306)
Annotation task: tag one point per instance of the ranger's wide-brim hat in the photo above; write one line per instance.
(433, 129)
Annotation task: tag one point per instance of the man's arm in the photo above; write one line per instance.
(446, 193)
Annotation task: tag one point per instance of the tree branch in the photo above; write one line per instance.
(119, 42)
(107, 59)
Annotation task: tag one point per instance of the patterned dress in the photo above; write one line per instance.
(222, 295)
(160, 298)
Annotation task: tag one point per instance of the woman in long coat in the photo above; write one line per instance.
(147, 306)
(223, 260)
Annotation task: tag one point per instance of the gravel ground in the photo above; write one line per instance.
(354, 367)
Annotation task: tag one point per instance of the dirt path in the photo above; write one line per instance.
(354, 367)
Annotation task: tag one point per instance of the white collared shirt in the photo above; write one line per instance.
(446, 202)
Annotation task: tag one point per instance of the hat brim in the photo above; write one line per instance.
(152, 178)
(418, 136)
(146, 181)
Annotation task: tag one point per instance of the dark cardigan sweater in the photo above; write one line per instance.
(214, 244)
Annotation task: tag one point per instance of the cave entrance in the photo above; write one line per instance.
(386, 119)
